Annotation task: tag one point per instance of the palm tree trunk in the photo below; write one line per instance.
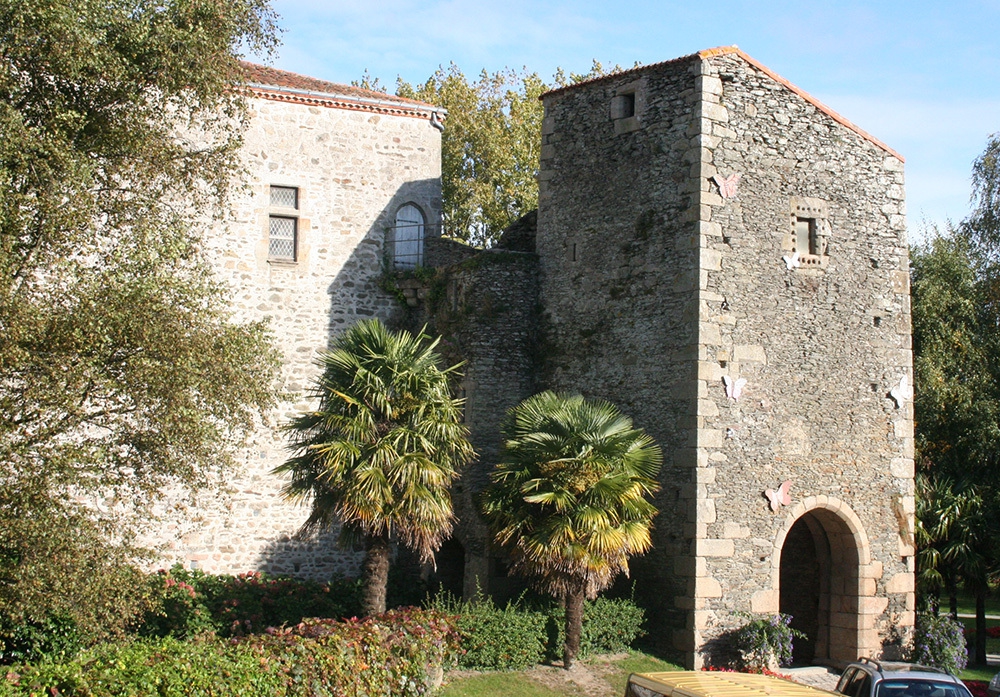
(374, 575)
(574, 626)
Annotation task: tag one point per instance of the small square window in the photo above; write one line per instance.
(284, 197)
(282, 236)
(624, 106)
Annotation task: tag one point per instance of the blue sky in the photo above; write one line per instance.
(922, 76)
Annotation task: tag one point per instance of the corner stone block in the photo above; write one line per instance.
(703, 618)
(901, 467)
(764, 602)
(713, 112)
(711, 438)
(710, 84)
(705, 511)
(707, 587)
(749, 353)
(899, 583)
(715, 548)
(873, 606)
(711, 260)
(708, 334)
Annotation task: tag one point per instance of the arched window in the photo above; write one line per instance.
(408, 238)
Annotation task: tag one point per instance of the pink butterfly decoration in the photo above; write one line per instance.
(734, 388)
(727, 185)
(780, 497)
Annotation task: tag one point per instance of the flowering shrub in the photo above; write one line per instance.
(977, 687)
(397, 653)
(939, 641)
(192, 602)
(765, 642)
(763, 671)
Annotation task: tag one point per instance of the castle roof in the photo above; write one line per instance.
(734, 50)
(283, 86)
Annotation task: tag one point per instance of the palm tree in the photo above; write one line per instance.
(569, 500)
(381, 450)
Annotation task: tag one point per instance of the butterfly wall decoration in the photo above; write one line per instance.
(901, 392)
(727, 185)
(734, 388)
(781, 497)
(792, 262)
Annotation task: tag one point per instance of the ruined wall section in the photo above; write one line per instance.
(619, 262)
(352, 169)
(485, 309)
(820, 346)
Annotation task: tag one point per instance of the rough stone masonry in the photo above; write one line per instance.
(715, 251)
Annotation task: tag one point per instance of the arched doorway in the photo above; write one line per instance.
(819, 586)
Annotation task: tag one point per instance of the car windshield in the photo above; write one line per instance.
(920, 688)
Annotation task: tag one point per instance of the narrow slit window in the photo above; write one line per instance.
(805, 236)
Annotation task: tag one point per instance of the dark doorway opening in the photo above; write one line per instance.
(819, 587)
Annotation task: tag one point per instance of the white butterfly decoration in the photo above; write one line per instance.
(792, 262)
(727, 185)
(901, 392)
(734, 388)
(780, 497)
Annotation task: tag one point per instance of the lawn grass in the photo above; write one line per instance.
(520, 684)
(636, 662)
(967, 604)
(508, 684)
(984, 673)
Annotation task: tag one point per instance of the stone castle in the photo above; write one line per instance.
(714, 251)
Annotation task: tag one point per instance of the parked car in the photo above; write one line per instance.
(700, 683)
(870, 678)
(993, 689)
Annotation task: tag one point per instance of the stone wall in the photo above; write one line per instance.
(820, 345)
(353, 169)
(667, 233)
(619, 275)
(485, 310)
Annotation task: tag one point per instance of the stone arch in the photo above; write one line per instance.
(822, 546)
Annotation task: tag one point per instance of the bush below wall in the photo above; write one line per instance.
(520, 635)
(397, 653)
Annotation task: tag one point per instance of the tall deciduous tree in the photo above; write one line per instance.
(570, 498)
(380, 451)
(957, 412)
(489, 148)
(491, 143)
(120, 369)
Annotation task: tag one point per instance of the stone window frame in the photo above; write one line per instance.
(815, 213)
(279, 211)
(410, 260)
(627, 106)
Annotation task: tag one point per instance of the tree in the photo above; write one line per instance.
(491, 143)
(957, 412)
(121, 371)
(489, 148)
(382, 448)
(569, 499)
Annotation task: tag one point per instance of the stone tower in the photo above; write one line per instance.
(703, 221)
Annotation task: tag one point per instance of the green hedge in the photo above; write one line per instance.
(188, 603)
(520, 634)
(390, 654)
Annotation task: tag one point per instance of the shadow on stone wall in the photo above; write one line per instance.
(355, 294)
